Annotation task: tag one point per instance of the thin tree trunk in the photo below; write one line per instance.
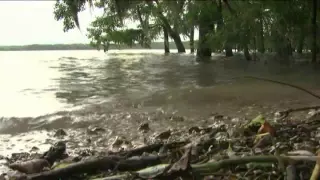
(238, 47)
(255, 48)
(192, 40)
(261, 35)
(300, 43)
(220, 20)
(227, 47)
(246, 53)
(166, 40)
(289, 48)
(146, 42)
(173, 34)
(314, 31)
(228, 50)
(191, 35)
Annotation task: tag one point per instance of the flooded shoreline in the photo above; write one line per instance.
(119, 91)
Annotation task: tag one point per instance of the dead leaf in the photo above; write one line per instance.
(267, 128)
(183, 164)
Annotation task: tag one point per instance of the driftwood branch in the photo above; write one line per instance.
(212, 167)
(98, 164)
(151, 148)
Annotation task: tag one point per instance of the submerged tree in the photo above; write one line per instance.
(314, 30)
(248, 26)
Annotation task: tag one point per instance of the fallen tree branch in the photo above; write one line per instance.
(211, 167)
(151, 148)
(98, 164)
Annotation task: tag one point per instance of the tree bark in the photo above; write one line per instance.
(173, 34)
(300, 43)
(227, 46)
(281, 46)
(228, 50)
(246, 53)
(192, 40)
(203, 50)
(146, 42)
(166, 41)
(289, 48)
(314, 31)
(261, 34)
(97, 164)
(206, 25)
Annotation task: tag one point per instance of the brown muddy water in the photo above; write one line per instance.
(42, 91)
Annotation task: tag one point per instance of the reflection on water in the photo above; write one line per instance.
(75, 89)
(37, 83)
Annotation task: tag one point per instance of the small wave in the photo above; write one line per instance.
(66, 57)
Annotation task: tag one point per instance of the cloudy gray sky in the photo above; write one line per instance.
(32, 22)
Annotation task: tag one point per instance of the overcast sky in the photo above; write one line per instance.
(32, 22)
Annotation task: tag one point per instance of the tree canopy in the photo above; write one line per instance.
(279, 26)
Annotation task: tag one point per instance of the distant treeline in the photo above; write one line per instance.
(39, 47)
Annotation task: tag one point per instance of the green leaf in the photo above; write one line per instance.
(259, 120)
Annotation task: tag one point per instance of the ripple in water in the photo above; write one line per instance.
(47, 90)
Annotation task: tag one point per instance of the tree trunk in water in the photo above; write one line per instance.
(228, 50)
(246, 53)
(192, 40)
(173, 34)
(289, 48)
(284, 50)
(206, 25)
(238, 47)
(146, 41)
(203, 50)
(227, 47)
(261, 42)
(177, 40)
(166, 41)
(280, 44)
(300, 44)
(314, 31)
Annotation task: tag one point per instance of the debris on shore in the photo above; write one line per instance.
(257, 149)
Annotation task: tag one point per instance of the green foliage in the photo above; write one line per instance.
(259, 120)
(67, 10)
(256, 24)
